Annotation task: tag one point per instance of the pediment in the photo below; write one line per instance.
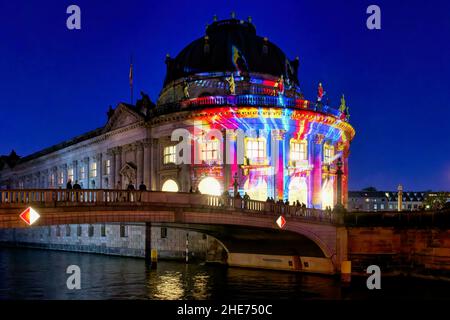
(122, 117)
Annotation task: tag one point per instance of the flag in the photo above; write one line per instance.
(238, 60)
(320, 92)
(130, 76)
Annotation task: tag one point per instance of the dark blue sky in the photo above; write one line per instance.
(57, 83)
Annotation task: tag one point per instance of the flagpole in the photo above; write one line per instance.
(131, 78)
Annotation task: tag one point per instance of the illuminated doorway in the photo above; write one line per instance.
(298, 190)
(327, 194)
(210, 186)
(257, 189)
(170, 186)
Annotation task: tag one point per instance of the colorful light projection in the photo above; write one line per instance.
(283, 173)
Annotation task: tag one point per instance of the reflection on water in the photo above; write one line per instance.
(40, 274)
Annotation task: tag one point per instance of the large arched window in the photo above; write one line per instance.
(256, 189)
(298, 190)
(210, 186)
(327, 195)
(170, 186)
(328, 153)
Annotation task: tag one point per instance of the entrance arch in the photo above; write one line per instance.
(170, 185)
(298, 190)
(211, 186)
(257, 189)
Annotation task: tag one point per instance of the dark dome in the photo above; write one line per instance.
(231, 45)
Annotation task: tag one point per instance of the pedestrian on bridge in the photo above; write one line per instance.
(142, 187)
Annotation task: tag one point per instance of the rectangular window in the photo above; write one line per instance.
(79, 231)
(52, 180)
(68, 231)
(170, 154)
(108, 167)
(255, 149)
(93, 171)
(381, 206)
(58, 231)
(70, 174)
(298, 150)
(210, 150)
(123, 231)
(103, 230)
(163, 233)
(61, 178)
(328, 154)
(82, 173)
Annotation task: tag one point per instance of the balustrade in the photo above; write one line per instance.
(61, 197)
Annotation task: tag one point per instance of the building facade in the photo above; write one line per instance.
(230, 117)
(237, 97)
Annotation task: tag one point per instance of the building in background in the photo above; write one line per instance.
(385, 201)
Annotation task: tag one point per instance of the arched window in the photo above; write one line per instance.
(170, 186)
(210, 186)
(328, 153)
(298, 190)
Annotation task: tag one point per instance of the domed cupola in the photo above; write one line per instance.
(231, 46)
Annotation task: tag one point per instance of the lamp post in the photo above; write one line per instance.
(339, 206)
(339, 182)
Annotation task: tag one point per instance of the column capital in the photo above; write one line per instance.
(318, 138)
(278, 134)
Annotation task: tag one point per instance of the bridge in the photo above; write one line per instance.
(309, 232)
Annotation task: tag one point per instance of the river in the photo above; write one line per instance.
(41, 274)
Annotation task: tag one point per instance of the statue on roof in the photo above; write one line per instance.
(279, 86)
(186, 89)
(320, 92)
(231, 84)
(342, 107)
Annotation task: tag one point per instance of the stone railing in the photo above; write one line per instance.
(64, 198)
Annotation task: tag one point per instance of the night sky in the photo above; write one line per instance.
(56, 83)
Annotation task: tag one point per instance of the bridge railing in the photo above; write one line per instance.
(63, 197)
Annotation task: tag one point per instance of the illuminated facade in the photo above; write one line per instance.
(230, 80)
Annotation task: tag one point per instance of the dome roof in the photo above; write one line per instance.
(231, 45)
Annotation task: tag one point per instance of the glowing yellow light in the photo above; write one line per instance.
(170, 186)
(210, 186)
(327, 195)
(298, 190)
(258, 191)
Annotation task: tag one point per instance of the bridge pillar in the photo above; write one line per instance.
(341, 247)
(148, 241)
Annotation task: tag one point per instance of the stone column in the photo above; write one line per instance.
(75, 171)
(147, 164)
(317, 147)
(99, 183)
(118, 166)
(112, 168)
(278, 159)
(155, 160)
(86, 184)
(139, 163)
(226, 165)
